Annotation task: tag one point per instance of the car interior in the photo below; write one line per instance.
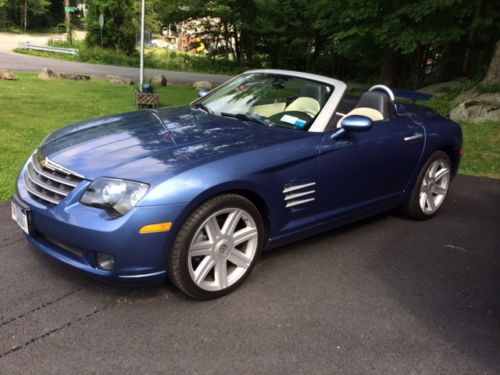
(376, 105)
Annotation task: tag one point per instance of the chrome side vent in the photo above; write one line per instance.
(47, 181)
(296, 195)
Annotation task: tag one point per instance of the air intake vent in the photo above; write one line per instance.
(296, 195)
(47, 181)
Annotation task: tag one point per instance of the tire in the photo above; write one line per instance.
(431, 187)
(217, 247)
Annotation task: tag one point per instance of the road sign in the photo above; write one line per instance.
(101, 20)
(69, 9)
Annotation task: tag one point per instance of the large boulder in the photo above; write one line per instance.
(119, 80)
(8, 75)
(48, 74)
(200, 85)
(159, 80)
(443, 87)
(480, 108)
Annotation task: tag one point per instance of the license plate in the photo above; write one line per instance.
(20, 216)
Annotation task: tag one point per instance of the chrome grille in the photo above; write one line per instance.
(48, 181)
(296, 195)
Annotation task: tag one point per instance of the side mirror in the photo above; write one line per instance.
(203, 92)
(356, 123)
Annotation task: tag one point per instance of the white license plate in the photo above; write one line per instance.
(20, 217)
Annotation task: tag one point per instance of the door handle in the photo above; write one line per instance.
(413, 137)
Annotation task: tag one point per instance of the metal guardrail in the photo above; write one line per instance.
(68, 51)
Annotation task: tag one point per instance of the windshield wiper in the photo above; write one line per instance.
(247, 117)
(202, 106)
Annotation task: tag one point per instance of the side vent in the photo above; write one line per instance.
(296, 195)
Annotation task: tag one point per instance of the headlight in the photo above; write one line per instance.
(117, 196)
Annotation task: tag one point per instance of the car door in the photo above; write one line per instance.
(359, 170)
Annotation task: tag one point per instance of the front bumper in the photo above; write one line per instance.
(74, 234)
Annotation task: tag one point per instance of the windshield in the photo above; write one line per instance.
(270, 99)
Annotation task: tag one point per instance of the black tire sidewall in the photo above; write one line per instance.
(178, 267)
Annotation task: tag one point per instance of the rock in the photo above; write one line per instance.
(48, 74)
(485, 107)
(443, 87)
(465, 96)
(75, 77)
(8, 75)
(159, 80)
(119, 80)
(200, 85)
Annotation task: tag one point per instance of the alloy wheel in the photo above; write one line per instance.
(222, 249)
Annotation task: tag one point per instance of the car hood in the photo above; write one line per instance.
(144, 145)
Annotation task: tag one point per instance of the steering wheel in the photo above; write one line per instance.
(384, 89)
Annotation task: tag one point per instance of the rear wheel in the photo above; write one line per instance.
(217, 247)
(431, 188)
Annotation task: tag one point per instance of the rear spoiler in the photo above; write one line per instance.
(411, 95)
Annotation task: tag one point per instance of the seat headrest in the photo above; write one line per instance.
(311, 91)
(376, 100)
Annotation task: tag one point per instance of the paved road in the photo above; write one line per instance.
(15, 61)
(385, 296)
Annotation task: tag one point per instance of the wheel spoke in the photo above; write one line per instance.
(221, 274)
(441, 173)
(203, 269)
(212, 228)
(432, 169)
(439, 190)
(201, 248)
(430, 202)
(244, 235)
(239, 259)
(231, 222)
(423, 199)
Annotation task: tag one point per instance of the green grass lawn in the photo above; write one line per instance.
(31, 108)
(482, 149)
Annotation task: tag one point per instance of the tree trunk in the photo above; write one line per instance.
(390, 69)
(493, 73)
(25, 15)
(472, 37)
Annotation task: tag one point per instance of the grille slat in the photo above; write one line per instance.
(49, 183)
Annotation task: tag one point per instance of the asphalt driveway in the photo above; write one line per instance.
(385, 296)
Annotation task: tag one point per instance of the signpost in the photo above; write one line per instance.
(67, 18)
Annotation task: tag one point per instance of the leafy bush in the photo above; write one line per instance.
(119, 29)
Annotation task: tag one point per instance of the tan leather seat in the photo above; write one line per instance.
(304, 104)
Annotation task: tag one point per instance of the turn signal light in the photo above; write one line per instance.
(155, 228)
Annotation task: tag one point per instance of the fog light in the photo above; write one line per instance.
(105, 261)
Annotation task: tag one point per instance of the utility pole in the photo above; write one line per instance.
(141, 75)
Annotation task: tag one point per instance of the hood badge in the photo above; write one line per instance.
(46, 163)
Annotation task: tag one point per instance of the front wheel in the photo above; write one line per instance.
(217, 247)
(431, 188)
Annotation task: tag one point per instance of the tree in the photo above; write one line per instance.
(493, 74)
(120, 24)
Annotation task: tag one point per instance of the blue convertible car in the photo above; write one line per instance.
(195, 193)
